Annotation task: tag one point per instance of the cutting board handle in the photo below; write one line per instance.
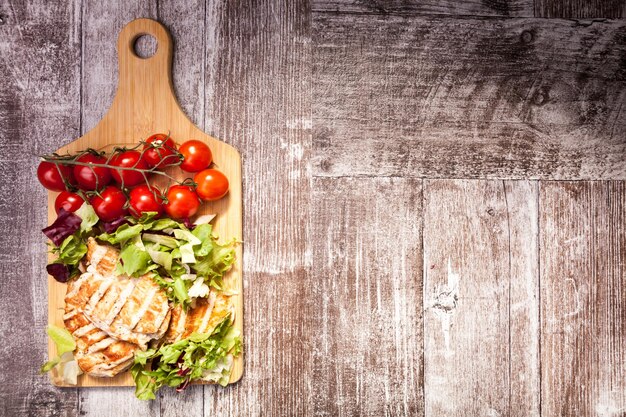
(145, 100)
(132, 65)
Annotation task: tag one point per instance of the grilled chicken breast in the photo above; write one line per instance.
(97, 353)
(203, 318)
(112, 316)
(132, 309)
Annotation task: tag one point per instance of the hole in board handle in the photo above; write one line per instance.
(145, 46)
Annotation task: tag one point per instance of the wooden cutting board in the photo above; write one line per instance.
(145, 104)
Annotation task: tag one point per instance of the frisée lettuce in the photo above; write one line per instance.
(200, 356)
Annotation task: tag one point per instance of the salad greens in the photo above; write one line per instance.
(177, 257)
(200, 356)
(64, 342)
(69, 233)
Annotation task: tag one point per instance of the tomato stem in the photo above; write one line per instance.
(73, 160)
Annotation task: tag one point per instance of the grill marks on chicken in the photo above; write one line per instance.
(203, 318)
(111, 316)
(97, 353)
(131, 309)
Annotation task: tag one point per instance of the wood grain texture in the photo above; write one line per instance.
(517, 8)
(368, 290)
(583, 294)
(258, 75)
(39, 109)
(480, 296)
(580, 9)
(441, 97)
(521, 201)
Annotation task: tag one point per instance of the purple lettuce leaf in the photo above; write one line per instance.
(188, 223)
(66, 224)
(113, 225)
(59, 272)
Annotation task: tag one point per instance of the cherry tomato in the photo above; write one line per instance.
(142, 199)
(92, 178)
(160, 151)
(50, 177)
(212, 184)
(182, 202)
(110, 204)
(197, 156)
(68, 201)
(128, 159)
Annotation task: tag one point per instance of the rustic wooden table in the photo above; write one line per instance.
(435, 205)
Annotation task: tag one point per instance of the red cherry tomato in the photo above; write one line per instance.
(110, 204)
(142, 199)
(160, 151)
(128, 159)
(182, 202)
(50, 177)
(197, 156)
(68, 201)
(92, 178)
(212, 184)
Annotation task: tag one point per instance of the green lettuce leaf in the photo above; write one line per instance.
(204, 233)
(162, 258)
(88, 216)
(186, 254)
(46, 367)
(182, 234)
(180, 290)
(163, 224)
(62, 338)
(122, 234)
(64, 342)
(217, 262)
(72, 250)
(166, 241)
(134, 261)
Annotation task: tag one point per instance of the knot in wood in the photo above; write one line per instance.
(527, 36)
(325, 165)
(541, 97)
(491, 212)
(446, 301)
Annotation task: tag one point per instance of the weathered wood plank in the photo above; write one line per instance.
(583, 309)
(39, 109)
(185, 20)
(258, 78)
(524, 336)
(368, 295)
(580, 9)
(517, 8)
(442, 97)
(101, 23)
(480, 276)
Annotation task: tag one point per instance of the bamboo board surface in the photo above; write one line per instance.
(145, 104)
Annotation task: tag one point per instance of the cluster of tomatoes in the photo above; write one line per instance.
(106, 180)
